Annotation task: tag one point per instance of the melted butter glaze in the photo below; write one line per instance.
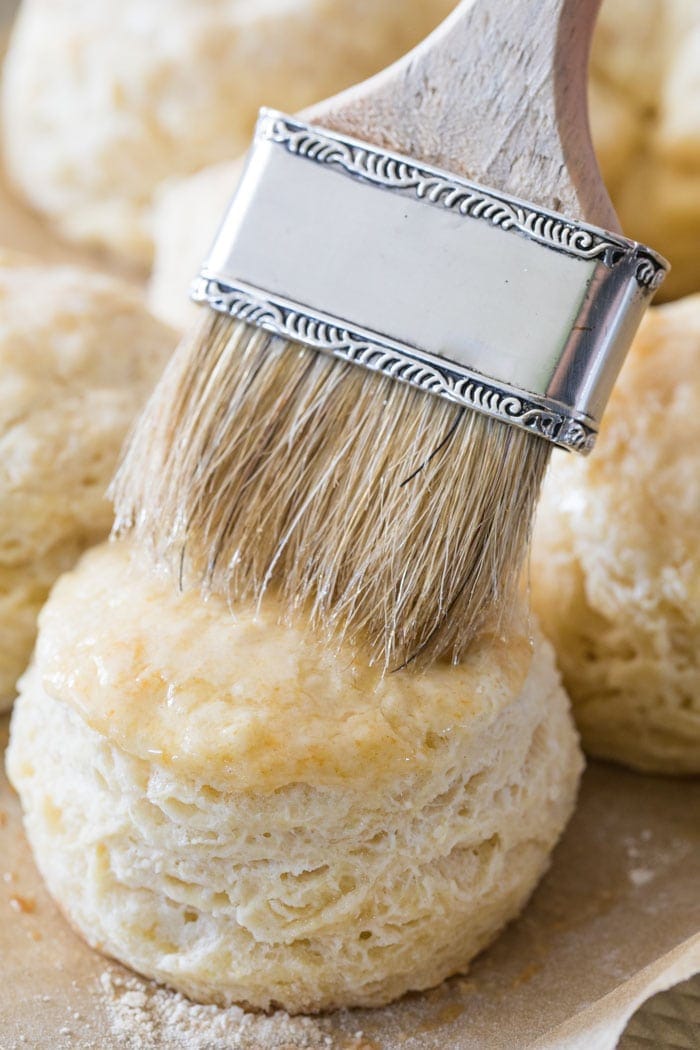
(240, 701)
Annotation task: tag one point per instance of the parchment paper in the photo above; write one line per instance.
(616, 919)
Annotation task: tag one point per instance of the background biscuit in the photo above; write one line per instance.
(78, 354)
(102, 101)
(616, 563)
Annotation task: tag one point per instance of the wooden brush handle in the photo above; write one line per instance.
(498, 94)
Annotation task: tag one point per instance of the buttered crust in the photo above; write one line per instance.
(616, 564)
(231, 808)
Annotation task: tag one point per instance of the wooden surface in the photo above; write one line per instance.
(496, 93)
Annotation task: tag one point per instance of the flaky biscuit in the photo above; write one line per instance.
(102, 101)
(79, 353)
(616, 561)
(231, 807)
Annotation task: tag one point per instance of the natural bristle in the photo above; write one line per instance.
(386, 512)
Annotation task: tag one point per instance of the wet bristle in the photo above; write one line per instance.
(385, 512)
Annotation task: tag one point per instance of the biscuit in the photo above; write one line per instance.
(645, 117)
(103, 101)
(616, 563)
(78, 354)
(227, 805)
(186, 215)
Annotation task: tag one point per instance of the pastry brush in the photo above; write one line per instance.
(418, 290)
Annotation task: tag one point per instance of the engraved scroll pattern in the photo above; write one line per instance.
(468, 390)
(392, 173)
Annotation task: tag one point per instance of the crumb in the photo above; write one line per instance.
(142, 1014)
(23, 905)
(641, 876)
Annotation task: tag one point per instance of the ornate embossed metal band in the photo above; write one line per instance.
(390, 171)
(549, 420)
(399, 267)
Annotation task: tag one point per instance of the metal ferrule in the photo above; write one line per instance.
(462, 291)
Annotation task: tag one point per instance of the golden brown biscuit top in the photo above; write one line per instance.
(241, 702)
